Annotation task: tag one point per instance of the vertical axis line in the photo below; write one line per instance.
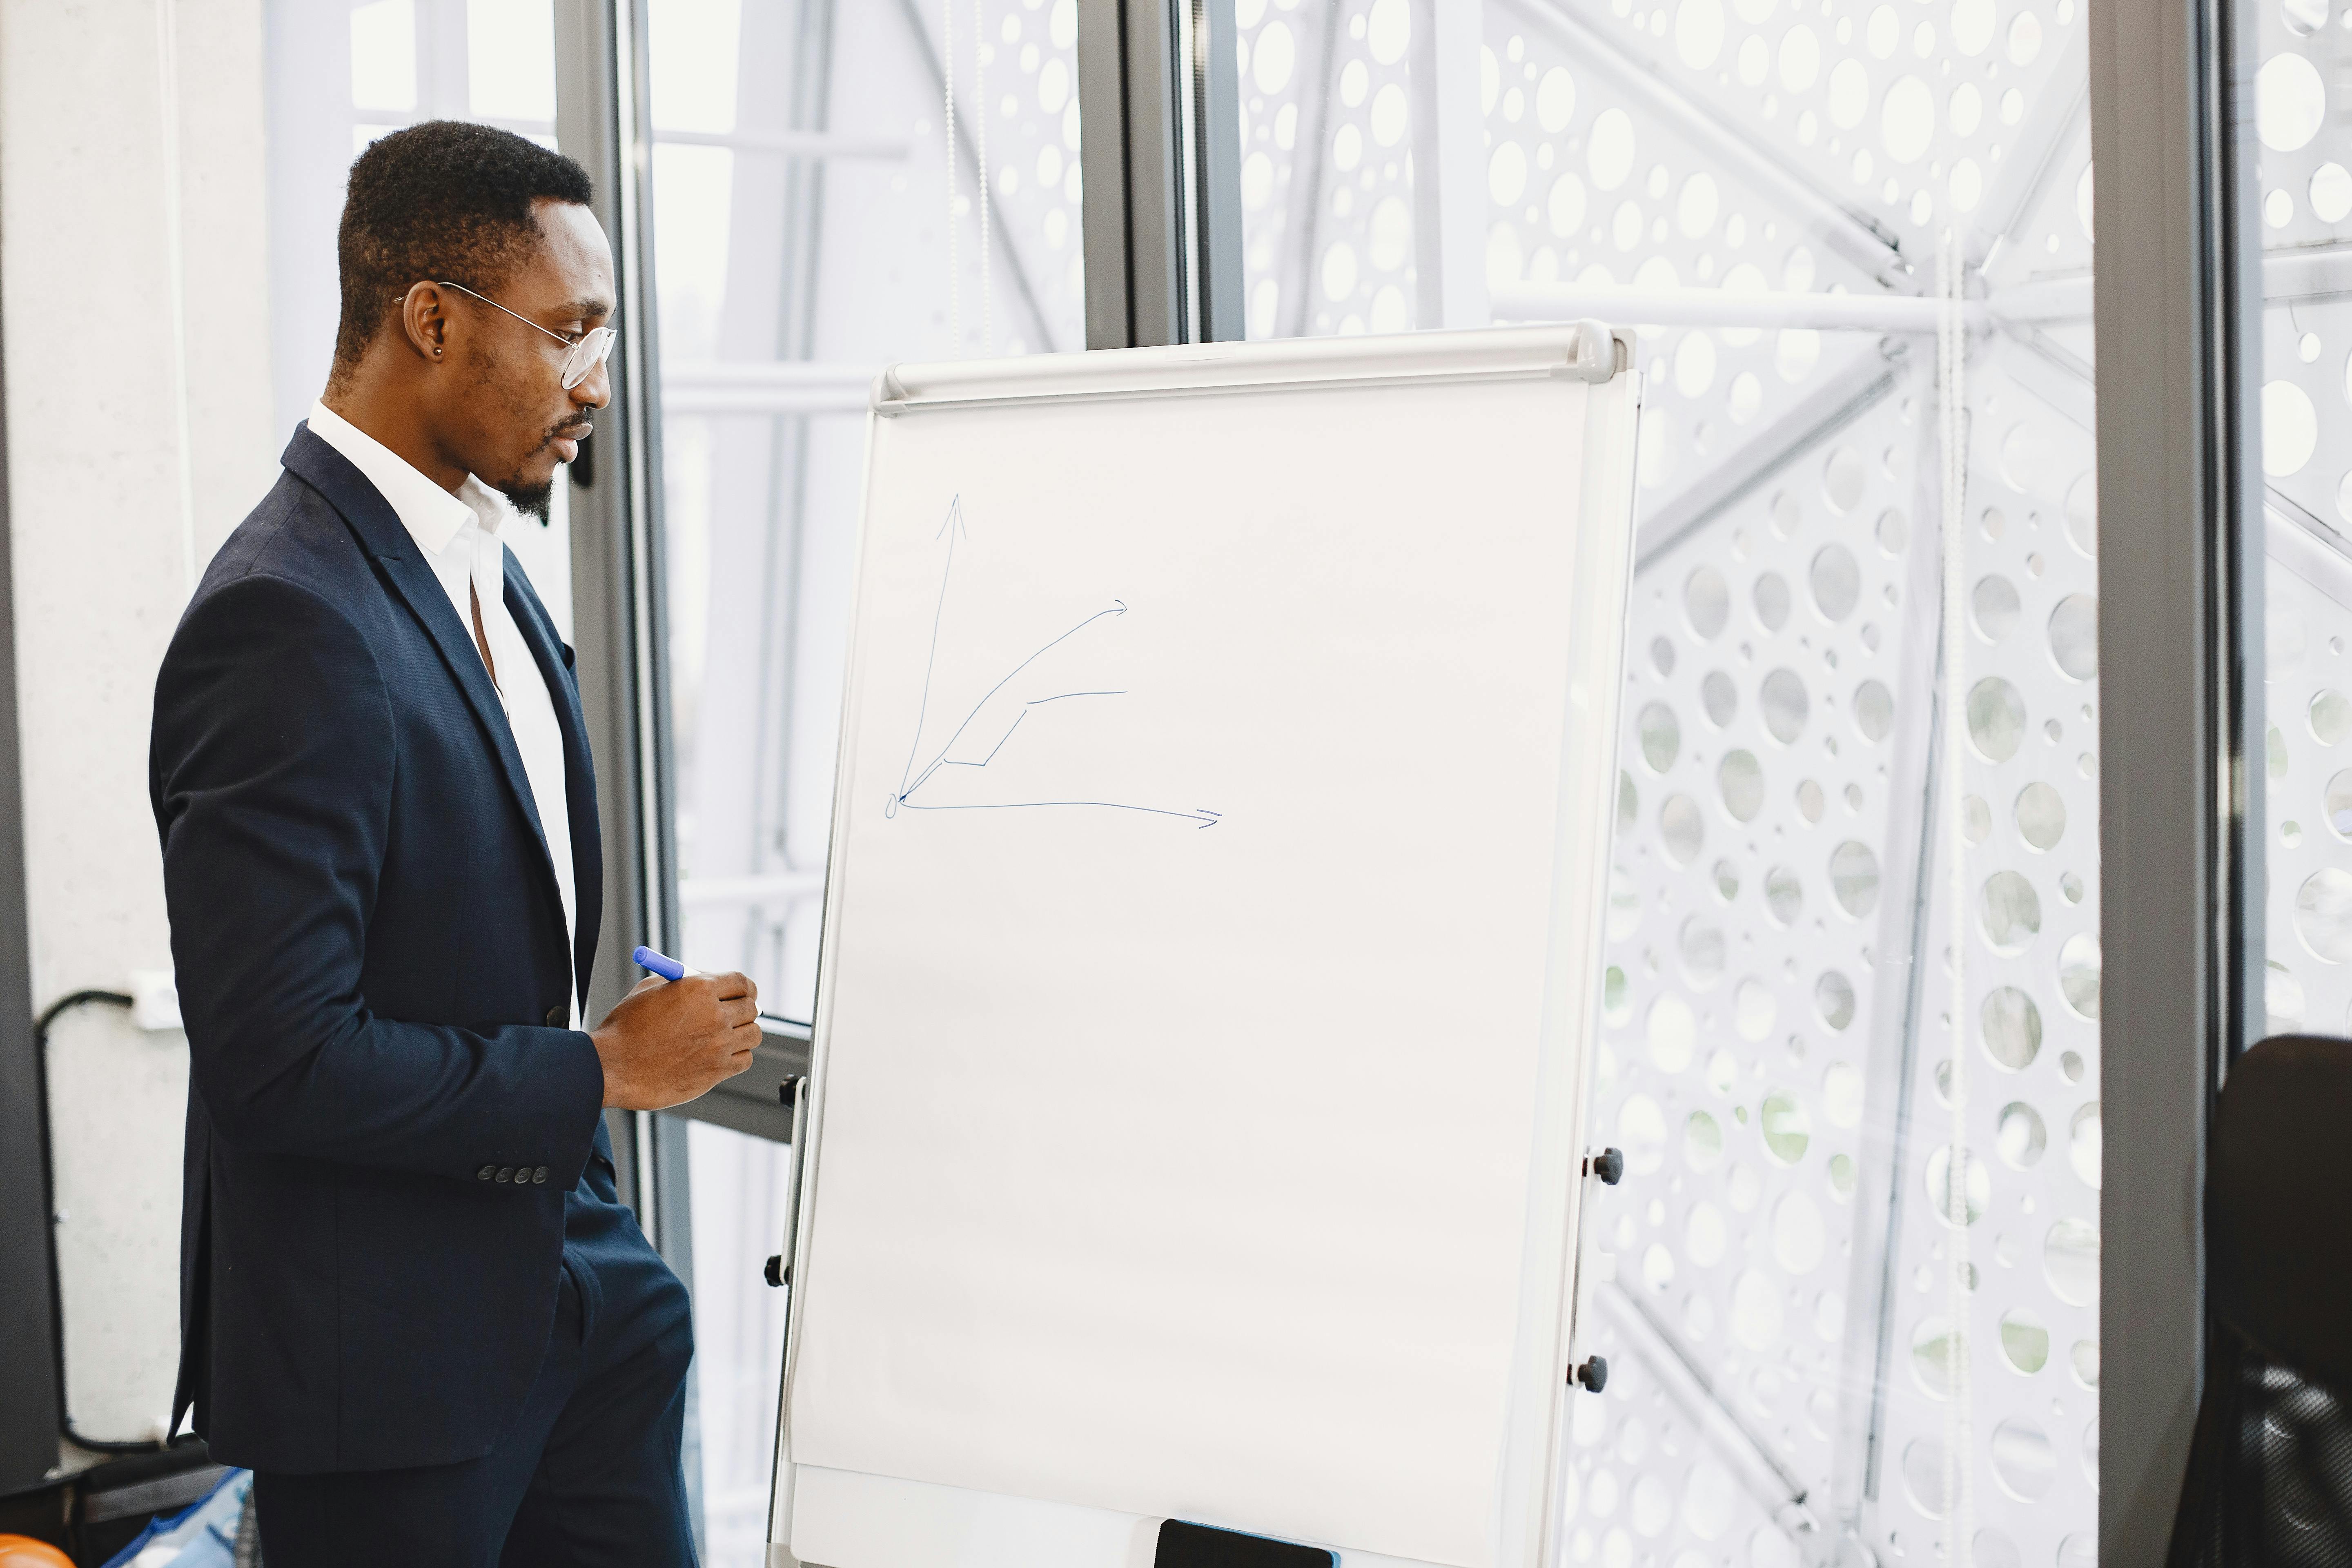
(955, 262)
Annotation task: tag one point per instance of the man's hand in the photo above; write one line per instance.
(669, 1040)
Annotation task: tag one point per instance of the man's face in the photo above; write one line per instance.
(508, 419)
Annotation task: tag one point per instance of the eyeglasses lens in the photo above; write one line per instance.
(586, 354)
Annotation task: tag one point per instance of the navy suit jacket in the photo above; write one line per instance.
(385, 1108)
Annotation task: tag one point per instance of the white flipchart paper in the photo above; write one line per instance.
(1193, 906)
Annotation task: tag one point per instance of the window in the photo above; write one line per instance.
(809, 227)
(1850, 1281)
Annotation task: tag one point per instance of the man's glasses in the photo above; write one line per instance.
(583, 354)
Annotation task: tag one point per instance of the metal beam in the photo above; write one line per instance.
(2181, 600)
(619, 609)
(1831, 408)
(1855, 235)
(1160, 147)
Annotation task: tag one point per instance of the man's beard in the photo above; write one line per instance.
(532, 501)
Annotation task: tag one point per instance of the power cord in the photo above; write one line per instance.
(48, 1207)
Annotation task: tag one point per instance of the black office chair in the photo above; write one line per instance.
(2270, 1467)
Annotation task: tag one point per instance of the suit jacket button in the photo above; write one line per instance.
(539, 1177)
(505, 1172)
(486, 1172)
(555, 1018)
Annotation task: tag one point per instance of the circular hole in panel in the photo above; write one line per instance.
(2078, 973)
(2019, 1137)
(1836, 581)
(1853, 877)
(1833, 996)
(1629, 802)
(2013, 1027)
(1707, 600)
(1711, 1500)
(1616, 996)
(2025, 1340)
(1842, 477)
(1784, 895)
(1873, 710)
(2338, 802)
(2010, 910)
(1719, 698)
(1994, 1550)
(2084, 1360)
(1741, 780)
(1672, 1031)
(1624, 905)
(2323, 913)
(1842, 1095)
(1976, 819)
(2303, 17)
(1702, 946)
(2074, 636)
(1662, 655)
(1661, 736)
(1842, 1176)
(1657, 1266)
(2041, 815)
(1722, 1074)
(1786, 1126)
(1770, 596)
(1726, 880)
(1893, 533)
(2083, 515)
(2023, 1459)
(2290, 423)
(1996, 719)
(1682, 828)
(1608, 150)
(1976, 1181)
(1784, 703)
(2330, 192)
(1932, 1358)
(2083, 1144)
(2070, 1257)
(2290, 102)
(1798, 1236)
(1992, 605)
(2330, 716)
(1702, 1141)
(2070, 1064)
(1810, 800)
(1753, 1009)
(1642, 1132)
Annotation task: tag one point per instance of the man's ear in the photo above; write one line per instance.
(424, 321)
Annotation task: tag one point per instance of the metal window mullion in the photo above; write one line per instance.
(2176, 269)
(1159, 100)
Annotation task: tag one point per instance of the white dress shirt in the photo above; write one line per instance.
(458, 536)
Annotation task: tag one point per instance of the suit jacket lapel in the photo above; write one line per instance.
(378, 529)
(579, 768)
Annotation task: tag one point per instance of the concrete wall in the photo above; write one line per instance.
(133, 278)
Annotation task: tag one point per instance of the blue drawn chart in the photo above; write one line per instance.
(929, 781)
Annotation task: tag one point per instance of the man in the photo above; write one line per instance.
(410, 1298)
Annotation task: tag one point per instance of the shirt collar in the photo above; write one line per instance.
(433, 517)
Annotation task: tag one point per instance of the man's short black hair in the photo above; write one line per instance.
(442, 201)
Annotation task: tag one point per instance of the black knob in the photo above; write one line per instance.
(786, 1090)
(1609, 1166)
(1594, 1372)
(778, 1275)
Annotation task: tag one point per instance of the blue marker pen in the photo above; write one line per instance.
(667, 968)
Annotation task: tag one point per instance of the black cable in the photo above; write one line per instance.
(50, 1213)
